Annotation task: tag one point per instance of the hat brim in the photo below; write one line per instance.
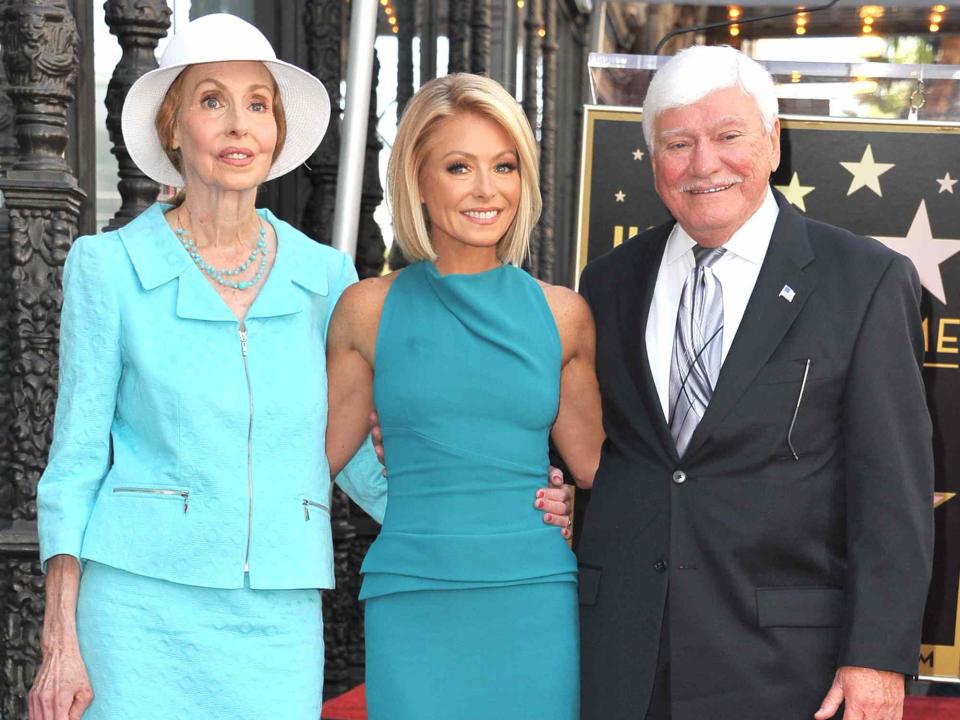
(306, 108)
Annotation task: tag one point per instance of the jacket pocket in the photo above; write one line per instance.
(309, 505)
(792, 371)
(588, 584)
(170, 493)
(799, 607)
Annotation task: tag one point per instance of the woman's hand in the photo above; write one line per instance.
(556, 503)
(61, 690)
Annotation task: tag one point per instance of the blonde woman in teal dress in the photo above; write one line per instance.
(473, 366)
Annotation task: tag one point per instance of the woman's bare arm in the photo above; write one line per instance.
(62, 687)
(578, 430)
(351, 341)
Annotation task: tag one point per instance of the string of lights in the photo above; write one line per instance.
(870, 16)
(391, 14)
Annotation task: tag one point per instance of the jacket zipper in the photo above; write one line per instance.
(307, 504)
(246, 372)
(185, 494)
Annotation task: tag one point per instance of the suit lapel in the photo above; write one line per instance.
(767, 319)
(634, 297)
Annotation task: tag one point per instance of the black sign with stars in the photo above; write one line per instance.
(896, 181)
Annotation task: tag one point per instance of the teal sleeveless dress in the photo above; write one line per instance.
(471, 607)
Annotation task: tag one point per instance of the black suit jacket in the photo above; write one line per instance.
(779, 568)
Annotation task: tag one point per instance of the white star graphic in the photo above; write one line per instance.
(946, 184)
(638, 154)
(926, 251)
(866, 173)
(620, 195)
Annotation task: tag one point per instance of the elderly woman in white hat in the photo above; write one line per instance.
(187, 476)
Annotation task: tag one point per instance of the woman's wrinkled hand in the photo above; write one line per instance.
(61, 690)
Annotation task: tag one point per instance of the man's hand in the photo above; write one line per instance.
(555, 502)
(376, 435)
(867, 695)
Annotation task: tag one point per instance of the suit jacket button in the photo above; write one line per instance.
(679, 477)
(660, 565)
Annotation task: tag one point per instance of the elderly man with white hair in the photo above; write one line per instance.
(759, 540)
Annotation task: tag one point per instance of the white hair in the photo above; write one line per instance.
(697, 71)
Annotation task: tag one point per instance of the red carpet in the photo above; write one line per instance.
(931, 708)
(352, 706)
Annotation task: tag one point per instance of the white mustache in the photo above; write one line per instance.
(717, 183)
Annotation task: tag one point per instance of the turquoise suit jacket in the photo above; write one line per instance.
(181, 451)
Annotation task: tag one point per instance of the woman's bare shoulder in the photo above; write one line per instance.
(357, 315)
(367, 296)
(570, 310)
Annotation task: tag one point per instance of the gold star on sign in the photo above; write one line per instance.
(638, 154)
(866, 173)
(946, 184)
(795, 192)
(939, 498)
(620, 195)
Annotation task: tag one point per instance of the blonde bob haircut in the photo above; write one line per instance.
(436, 101)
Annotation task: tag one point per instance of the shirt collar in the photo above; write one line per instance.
(750, 242)
(158, 257)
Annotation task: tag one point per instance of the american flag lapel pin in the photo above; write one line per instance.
(787, 293)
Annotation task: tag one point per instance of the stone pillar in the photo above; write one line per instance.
(429, 30)
(323, 20)
(480, 29)
(370, 246)
(138, 25)
(458, 31)
(8, 155)
(532, 25)
(39, 40)
(40, 56)
(8, 141)
(341, 609)
(548, 146)
(21, 608)
(407, 19)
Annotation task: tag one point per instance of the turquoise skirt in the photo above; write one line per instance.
(474, 654)
(156, 650)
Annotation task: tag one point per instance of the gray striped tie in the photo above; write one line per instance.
(697, 345)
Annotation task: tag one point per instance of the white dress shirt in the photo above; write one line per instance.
(737, 271)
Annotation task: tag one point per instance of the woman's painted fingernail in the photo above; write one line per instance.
(539, 503)
(539, 493)
(548, 517)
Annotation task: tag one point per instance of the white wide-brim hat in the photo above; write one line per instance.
(220, 38)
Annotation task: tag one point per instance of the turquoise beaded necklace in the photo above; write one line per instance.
(226, 276)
